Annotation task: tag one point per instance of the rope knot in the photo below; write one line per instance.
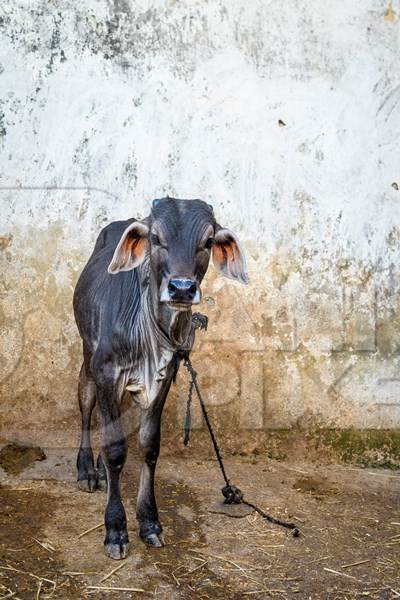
(232, 494)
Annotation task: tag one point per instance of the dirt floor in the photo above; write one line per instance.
(349, 545)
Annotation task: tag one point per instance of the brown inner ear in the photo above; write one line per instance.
(232, 251)
(134, 246)
(228, 256)
(131, 251)
(219, 254)
(224, 252)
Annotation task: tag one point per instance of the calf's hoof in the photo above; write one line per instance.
(150, 533)
(116, 545)
(154, 539)
(101, 484)
(89, 483)
(116, 551)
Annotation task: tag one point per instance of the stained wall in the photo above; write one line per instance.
(284, 116)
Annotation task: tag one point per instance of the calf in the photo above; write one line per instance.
(132, 305)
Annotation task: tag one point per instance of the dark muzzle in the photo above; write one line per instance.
(182, 290)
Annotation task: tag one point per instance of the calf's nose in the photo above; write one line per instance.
(182, 290)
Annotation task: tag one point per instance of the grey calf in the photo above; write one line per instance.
(132, 305)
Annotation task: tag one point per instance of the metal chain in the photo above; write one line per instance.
(231, 493)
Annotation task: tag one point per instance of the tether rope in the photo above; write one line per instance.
(231, 493)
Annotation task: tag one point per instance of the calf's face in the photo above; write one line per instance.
(180, 236)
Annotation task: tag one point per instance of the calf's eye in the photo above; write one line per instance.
(155, 240)
(209, 243)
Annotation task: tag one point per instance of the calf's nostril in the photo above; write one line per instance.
(192, 290)
(172, 287)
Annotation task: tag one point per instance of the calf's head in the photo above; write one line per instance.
(179, 237)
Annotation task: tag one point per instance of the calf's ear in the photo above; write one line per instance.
(228, 257)
(131, 248)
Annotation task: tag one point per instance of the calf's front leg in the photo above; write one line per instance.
(114, 451)
(150, 529)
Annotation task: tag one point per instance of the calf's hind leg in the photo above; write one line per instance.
(101, 474)
(85, 463)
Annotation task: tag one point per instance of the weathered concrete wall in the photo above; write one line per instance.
(286, 117)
